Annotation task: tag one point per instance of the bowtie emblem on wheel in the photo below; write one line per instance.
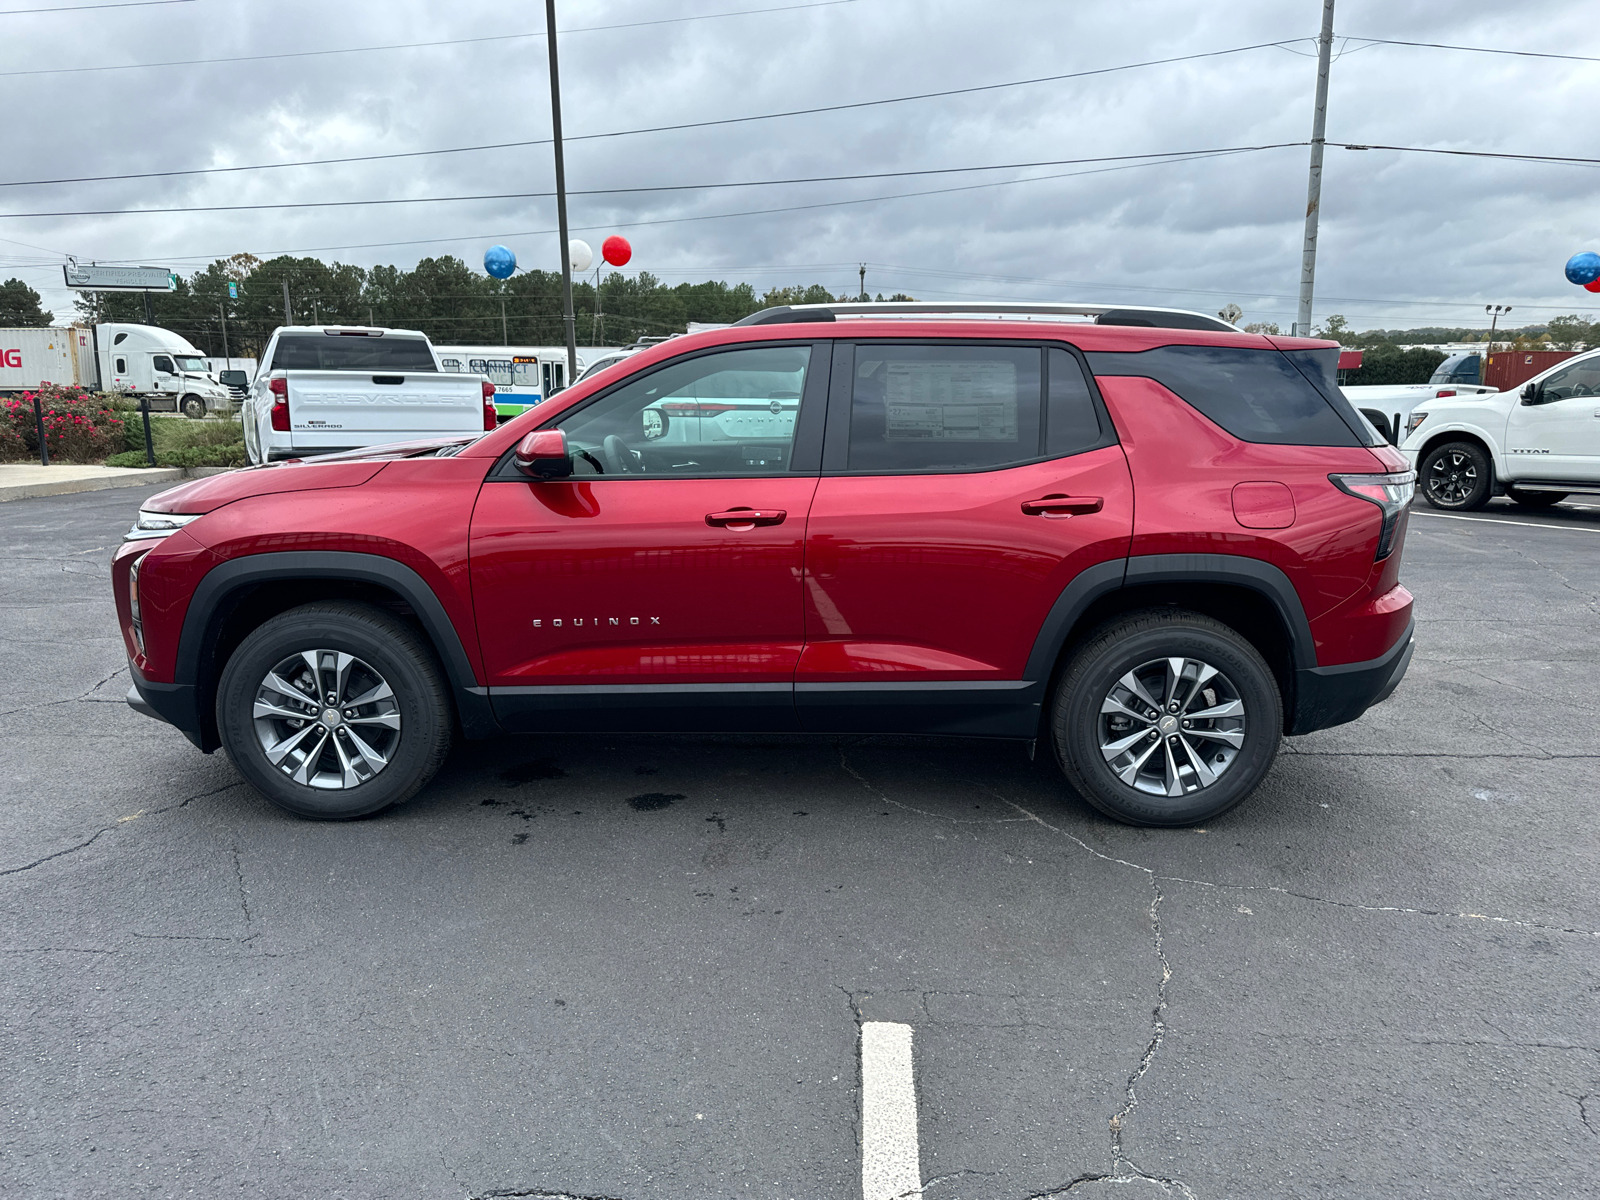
(594, 622)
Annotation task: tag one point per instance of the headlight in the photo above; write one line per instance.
(1415, 422)
(158, 524)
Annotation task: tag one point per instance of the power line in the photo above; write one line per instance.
(497, 37)
(1559, 159)
(17, 12)
(1476, 49)
(587, 137)
(1167, 156)
(757, 212)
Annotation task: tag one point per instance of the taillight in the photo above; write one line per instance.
(279, 388)
(1391, 493)
(1445, 392)
(491, 418)
(697, 409)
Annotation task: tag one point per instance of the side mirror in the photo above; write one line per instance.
(654, 423)
(1530, 394)
(543, 454)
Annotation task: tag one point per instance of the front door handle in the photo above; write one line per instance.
(1063, 506)
(746, 518)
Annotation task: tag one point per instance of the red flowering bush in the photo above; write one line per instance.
(79, 426)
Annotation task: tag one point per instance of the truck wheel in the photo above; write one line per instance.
(1536, 499)
(1166, 717)
(334, 710)
(194, 407)
(1456, 476)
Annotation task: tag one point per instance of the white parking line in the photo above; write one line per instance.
(891, 1167)
(1502, 521)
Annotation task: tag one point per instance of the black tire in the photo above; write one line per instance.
(1134, 642)
(383, 646)
(194, 407)
(1456, 476)
(1536, 499)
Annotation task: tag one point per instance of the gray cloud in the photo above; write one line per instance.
(1406, 239)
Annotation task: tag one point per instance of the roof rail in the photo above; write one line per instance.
(1101, 314)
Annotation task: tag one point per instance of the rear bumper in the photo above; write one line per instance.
(1327, 696)
(173, 703)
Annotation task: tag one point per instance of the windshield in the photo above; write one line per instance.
(1458, 368)
(190, 362)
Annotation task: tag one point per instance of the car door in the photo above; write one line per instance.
(965, 486)
(659, 587)
(1557, 434)
(165, 374)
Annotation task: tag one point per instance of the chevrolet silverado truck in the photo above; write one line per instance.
(322, 389)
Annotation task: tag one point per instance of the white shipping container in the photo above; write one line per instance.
(31, 356)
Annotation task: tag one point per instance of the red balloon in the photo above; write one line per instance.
(616, 251)
(1592, 287)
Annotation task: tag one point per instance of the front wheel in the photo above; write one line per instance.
(1457, 476)
(194, 407)
(334, 710)
(1536, 499)
(1166, 717)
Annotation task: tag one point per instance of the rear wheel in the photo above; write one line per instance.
(1536, 499)
(1457, 476)
(334, 710)
(194, 406)
(1166, 717)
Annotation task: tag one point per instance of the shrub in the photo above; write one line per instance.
(79, 427)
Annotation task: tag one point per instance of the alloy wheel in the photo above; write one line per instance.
(1452, 478)
(1171, 726)
(326, 719)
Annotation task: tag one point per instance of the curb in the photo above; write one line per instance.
(135, 477)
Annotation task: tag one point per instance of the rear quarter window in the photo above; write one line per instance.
(1256, 395)
(320, 352)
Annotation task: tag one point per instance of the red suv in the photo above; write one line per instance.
(1155, 541)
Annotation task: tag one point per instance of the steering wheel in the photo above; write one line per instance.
(619, 459)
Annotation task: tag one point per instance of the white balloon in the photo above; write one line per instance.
(580, 254)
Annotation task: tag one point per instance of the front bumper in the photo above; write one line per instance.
(1328, 696)
(173, 703)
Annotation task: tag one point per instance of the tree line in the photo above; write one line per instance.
(443, 297)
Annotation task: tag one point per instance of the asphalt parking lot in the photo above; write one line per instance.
(637, 967)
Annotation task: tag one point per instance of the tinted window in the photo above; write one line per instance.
(1256, 395)
(935, 408)
(1072, 423)
(731, 413)
(321, 352)
(162, 363)
(1321, 367)
(1581, 379)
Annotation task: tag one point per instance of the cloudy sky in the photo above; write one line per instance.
(1407, 239)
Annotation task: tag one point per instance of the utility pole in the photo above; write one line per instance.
(288, 316)
(1319, 121)
(505, 338)
(222, 313)
(863, 281)
(567, 317)
(1496, 311)
(149, 315)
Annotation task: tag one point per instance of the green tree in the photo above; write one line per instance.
(1261, 327)
(19, 305)
(1573, 333)
(1337, 329)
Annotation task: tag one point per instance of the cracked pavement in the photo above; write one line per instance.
(633, 967)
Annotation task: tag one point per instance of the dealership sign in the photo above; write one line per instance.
(119, 279)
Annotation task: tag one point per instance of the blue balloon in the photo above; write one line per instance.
(500, 262)
(1583, 267)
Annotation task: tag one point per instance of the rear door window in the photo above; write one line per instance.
(1256, 395)
(321, 352)
(932, 408)
(1072, 418)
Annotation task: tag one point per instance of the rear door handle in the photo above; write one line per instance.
(1063, 506)
(746, 518)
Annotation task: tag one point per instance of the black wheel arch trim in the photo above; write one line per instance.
(207, 605)
(1099, 580)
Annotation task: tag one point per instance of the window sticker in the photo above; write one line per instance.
(954, 401)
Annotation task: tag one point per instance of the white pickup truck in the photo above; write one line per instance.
(323, 388)
(1538, 445)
